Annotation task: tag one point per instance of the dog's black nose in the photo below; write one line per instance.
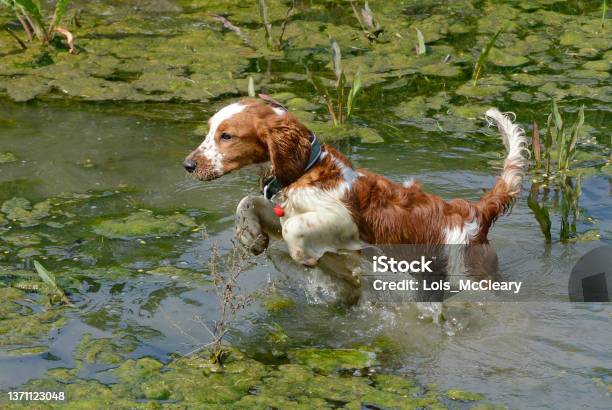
(189, 165)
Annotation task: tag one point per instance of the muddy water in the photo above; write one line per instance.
(109, 210)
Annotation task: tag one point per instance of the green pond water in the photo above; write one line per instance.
(91, 186)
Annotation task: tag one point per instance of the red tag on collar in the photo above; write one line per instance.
(278, 210)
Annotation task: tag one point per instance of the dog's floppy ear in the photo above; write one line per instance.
(288, 146)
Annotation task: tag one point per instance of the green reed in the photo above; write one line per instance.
(30, 15)
(341, 107)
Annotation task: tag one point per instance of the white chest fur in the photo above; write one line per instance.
(317, 221)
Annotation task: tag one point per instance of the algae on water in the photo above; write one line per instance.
(144, 223)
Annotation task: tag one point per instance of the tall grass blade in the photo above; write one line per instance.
(483, 57)
(604, 10)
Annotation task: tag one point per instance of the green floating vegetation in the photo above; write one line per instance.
(331, 360)
(23, 327)
(276, 303)
(6, 157)
(144, 224)
(242, 383)
(105, 352)
(27, 351)
(462, 395)
(21, 210)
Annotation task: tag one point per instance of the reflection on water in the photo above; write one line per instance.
(522, 354)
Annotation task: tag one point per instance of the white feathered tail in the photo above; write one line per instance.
(501, 197)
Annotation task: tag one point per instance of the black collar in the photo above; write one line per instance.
(271, 186)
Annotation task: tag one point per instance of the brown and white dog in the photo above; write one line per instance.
(327, 206)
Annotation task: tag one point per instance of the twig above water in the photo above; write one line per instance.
(231, 27)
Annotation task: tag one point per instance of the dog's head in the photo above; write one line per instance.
(250, 132)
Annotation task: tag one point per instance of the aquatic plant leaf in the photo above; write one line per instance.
(368, 16)
(535, 144)
(28, 8)
(558, 120)
(562, 147)
(567, 228)
(353, 94)
(575, 133)
(542, 217)
(60, 9)
(322, 92)
(548, 144)
(31, 11)
(49, 279)
(340, 98)
(45, 275)
(483, 56)
(421, 48)
(251, 90)
(336, 57)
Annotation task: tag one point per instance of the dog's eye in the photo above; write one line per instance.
(226, 136)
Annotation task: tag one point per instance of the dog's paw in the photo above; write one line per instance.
(257, 245)
(250, 235)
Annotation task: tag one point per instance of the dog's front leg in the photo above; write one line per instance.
(311, 234)
(255, 223)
